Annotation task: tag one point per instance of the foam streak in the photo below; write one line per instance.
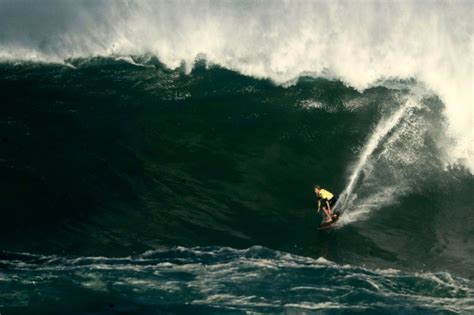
(380, 132)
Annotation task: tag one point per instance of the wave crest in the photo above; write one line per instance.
(357, 43)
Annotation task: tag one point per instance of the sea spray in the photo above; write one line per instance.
(358, 43)
(348, 195)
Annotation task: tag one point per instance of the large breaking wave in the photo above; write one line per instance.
(123, 154)
(359, 43)
(128, 128)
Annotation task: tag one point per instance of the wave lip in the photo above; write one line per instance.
(219, 279)
(357, 43)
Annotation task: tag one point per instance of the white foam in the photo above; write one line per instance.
(360, 43)
(306, 288)
(321, 306)
(235, 282)
(130, 60)
(94, 283)
(310, 104)
(384, 197)
(324, 261)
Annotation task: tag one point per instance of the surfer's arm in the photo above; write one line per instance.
(319, 205)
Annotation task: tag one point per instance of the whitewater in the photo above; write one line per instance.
(361, 44)
(223, 280)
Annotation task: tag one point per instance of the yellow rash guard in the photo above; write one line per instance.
(325, 195)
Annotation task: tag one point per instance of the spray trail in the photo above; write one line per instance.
(383, 128)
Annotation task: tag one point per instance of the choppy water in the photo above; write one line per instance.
(221, 280)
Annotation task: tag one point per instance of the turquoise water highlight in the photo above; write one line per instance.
(220, 280)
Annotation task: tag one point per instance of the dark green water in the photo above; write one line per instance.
(108, 159)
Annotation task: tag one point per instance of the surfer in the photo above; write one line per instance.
(328, 200)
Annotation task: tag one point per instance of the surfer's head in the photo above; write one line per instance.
(317, 188)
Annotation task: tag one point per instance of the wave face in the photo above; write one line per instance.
(116, 156)
(358, 43)
(220, 280)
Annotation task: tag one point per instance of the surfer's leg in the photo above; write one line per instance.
(328, 215)
(328, 207)
(332, 203)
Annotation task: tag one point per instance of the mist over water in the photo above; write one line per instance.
(359, 43)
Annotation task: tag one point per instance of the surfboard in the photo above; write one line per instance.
(324, 226)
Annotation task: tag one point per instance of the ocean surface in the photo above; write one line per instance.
(175, 179)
